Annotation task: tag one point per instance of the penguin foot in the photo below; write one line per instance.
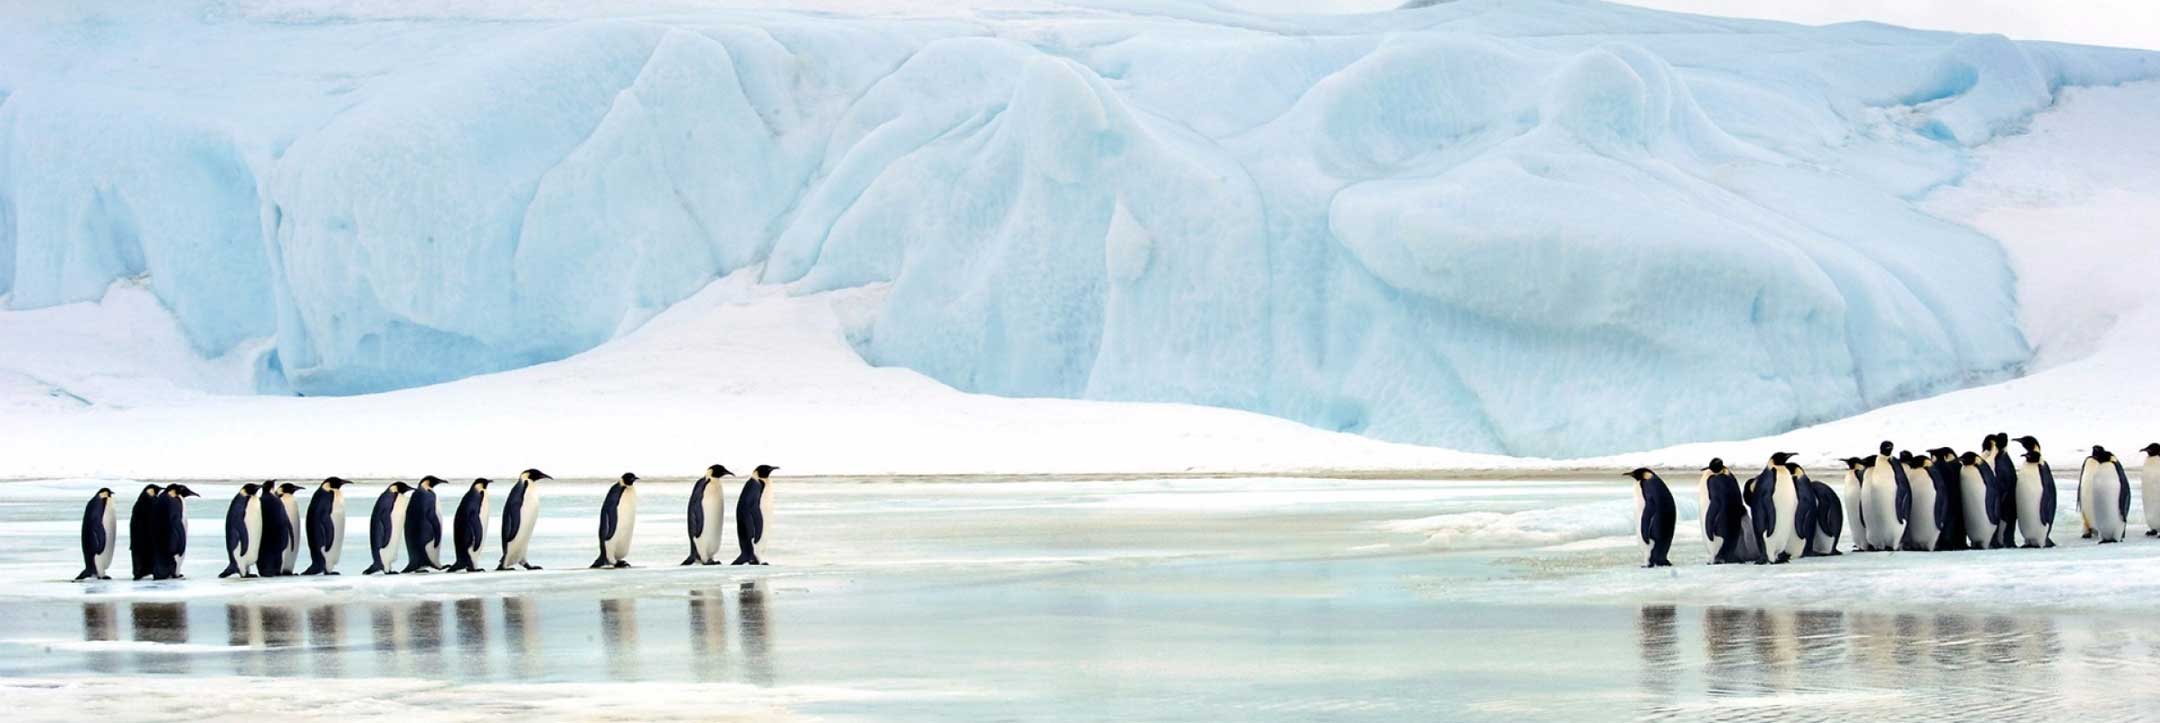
(2108, 542)
(597, 564)
(530, 566)
(2050, 543)
(2086, 536)
(622, 563)
(2152, 533)
(104, 577)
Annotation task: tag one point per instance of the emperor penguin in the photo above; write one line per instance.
(277, 529)
(1888, 502)
(386, 529)
(1994, 447)
(750, 515)
(1655, 515)
(1809, 512)
(705, 516)
(1949, 505)
(423, 527)
(2149, 478)
(326, 527)
(142, 531)
(2107, 491)
(243, 532)
(171, 527)
(1778, 511)
(100, 532)
(289, 494)
(1976, 487)
(2036, 500)
(469, 527)
(1923, 528)
(1855, 467)
(1829, 519)
(618, 519)
(521, 512)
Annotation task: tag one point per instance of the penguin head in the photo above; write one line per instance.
(532, 475)
(1778, 460)
(398, 488)
(1641, 474)
(2101, 453)
(1885, 448)
(1914, 461)
(248, 490)
(429, 482)
(2152, 450)
(2029, 442)
(105, 492)
(628, 479)
(288, 488)
(151, 490)
(181, 490)
(1943, 454)
(1716, 466)
(765, 470)
(335, 482)
(717, 471)
(1854, 463)
(2033, 456)
(481, 483)
(1969, 459)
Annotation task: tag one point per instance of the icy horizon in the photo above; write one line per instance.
(1555, 228)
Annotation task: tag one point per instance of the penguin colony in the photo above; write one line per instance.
(265, 530)
(1895, 500)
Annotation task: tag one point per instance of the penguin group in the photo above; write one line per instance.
(1896, 500)
(265, 529)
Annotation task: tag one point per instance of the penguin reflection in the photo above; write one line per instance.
(427, 638)
(1728, 634)
(472, 636)
(160, 623)
(521, 630)
(391, 638)
(98, 625)
(326, 634)
(756, 631)
(708, 631)
(281, 635)
(244, 632)
(619, 637)
(1655, 635)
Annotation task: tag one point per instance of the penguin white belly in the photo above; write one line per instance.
(112, 539)
(2104, 489)
(1921, 525)
(252, 520)
(708, 541)
(1972, 493)
(1855, 526)
(337, 532)
(2029, 522)
(2085, 496)
(396, 543)
(1884, 529)
(1784, 529)
(2149, 478)
(1639, 505)
(292, 538)
(528, 518)
(625, 524)
(180, 558)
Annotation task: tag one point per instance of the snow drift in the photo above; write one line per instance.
(1553, 227)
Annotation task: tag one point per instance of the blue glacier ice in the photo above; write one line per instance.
(1546, 227)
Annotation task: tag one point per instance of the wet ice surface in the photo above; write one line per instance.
(1256, 599)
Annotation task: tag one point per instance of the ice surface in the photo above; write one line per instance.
(1276, 599)
(1476, 224)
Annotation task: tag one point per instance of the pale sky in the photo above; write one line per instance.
(2126, 23)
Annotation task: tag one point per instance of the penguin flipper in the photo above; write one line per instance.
(2123, 505)
(697, 512)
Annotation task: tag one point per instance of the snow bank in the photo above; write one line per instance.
(1480, 224)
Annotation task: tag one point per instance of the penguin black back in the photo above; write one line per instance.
(144, 531)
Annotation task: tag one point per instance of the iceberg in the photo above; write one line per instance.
(1534, 227)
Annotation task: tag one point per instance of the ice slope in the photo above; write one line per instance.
(1556, 227)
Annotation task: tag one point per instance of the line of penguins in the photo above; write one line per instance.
(263, 527)
(1896, 500)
